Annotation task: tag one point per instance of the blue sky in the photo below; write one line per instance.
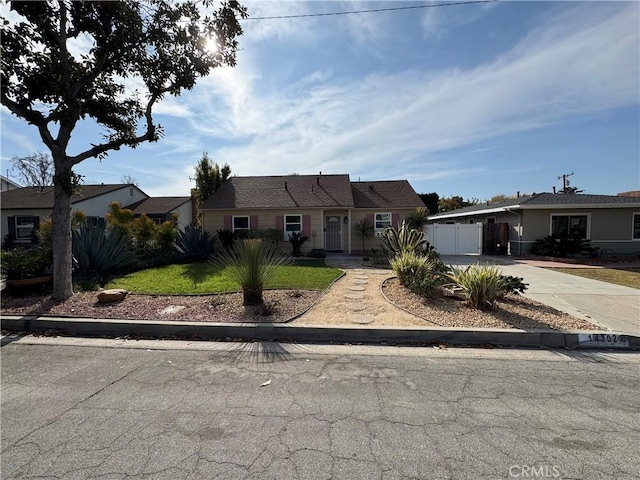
(472, 100)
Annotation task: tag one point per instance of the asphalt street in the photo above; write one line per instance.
(116, 409)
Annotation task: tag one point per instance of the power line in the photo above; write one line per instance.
(413, 7)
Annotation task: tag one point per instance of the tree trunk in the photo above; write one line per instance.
(61, 220)
(251, 296)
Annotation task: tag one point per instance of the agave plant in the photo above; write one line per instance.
(252, 263)
(482, 285)
(401, 239)
(98, 251)
(194, 243)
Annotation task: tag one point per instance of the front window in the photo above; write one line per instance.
(292, 224)
(240, 222)
(636, 226)
(25, 227)
(573, 225)
(382, 220)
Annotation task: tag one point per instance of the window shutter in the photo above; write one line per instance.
(280, 225)
(371, 219)
(227, 222)
(306, 225)
(11, 223)
(36, 223)
(395, 220)
(253, 222)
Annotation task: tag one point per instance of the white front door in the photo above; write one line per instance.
(333, 232)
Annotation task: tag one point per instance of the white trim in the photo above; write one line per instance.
(633, 221)
(586, 205)
(233, 222)
(284, 224)
(572, 214)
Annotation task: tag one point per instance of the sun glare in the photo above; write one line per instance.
(211, 45)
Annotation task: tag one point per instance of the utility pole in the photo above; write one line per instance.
(566, 188)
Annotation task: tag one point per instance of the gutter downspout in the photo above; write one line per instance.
(519, 229)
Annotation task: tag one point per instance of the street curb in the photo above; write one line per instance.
(306, 333)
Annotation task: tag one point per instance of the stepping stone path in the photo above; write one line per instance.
(355, 299)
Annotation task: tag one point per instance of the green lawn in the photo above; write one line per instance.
(629, 277)
(193, 278)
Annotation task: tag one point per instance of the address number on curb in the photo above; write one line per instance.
(603, 339)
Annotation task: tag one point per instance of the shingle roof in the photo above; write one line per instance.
(385, 194)
(290, 191)
(543, 200)
(158, 205)
(36, 197)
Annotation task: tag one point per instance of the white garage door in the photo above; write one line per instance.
(456, 239)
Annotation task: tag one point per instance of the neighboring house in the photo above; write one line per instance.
(6, 184)
(23, 209)
(611, 223)
(322, 207)
(161, 209)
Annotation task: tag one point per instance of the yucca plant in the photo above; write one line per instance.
(482, 285)
(297, 239)
(396, 240)
(98, 251)
(252, 263)
(194, 243)
(418, 219)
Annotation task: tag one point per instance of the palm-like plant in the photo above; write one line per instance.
(418, 219)
(482, 285)
(252, 263)
(364, 229)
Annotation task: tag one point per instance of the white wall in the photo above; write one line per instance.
(184, 215)
(97, 206)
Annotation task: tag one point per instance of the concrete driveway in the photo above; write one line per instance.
(611, 306)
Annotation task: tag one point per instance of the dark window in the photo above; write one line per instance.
(574, 225)
(636, 226)
(25, 227)
(241, 223)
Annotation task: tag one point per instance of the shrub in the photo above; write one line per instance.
(562, 246)
(297, 239)
(20, 263)
(378, 256)
(268, 235)
(408, 265)
(99, 252)
(482, 285)
(252, 263)
(193, 244)
(401, 239)
(511, 284)
(418, 273)
(226, 237)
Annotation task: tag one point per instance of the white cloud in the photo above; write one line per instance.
(399, 119)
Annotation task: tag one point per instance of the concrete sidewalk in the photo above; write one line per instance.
(610, 306)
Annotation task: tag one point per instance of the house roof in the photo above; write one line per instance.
(386, 194)
(311, 191)
(158, 205)
(541, 201)
(290, 191)
(10, 182)
(42, 197)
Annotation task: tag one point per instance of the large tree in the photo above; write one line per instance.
(159, 46)
(35, 170)
(209, 177)
(446, 204)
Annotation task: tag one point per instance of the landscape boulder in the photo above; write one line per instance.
(112, 295)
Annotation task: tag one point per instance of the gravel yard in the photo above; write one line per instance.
(340, 305)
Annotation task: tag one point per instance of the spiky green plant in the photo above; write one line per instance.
(101, 252)
(418, 219)
(396, 240)
(194, 243)
(297, 239)
(252, 263)
(482, 285)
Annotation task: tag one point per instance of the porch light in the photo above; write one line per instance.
(346, 219)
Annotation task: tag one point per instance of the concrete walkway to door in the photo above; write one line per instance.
(611, 306)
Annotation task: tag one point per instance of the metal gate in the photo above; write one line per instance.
(333, 236)
(455, 239)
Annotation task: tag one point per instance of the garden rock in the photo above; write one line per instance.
(112, 295)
